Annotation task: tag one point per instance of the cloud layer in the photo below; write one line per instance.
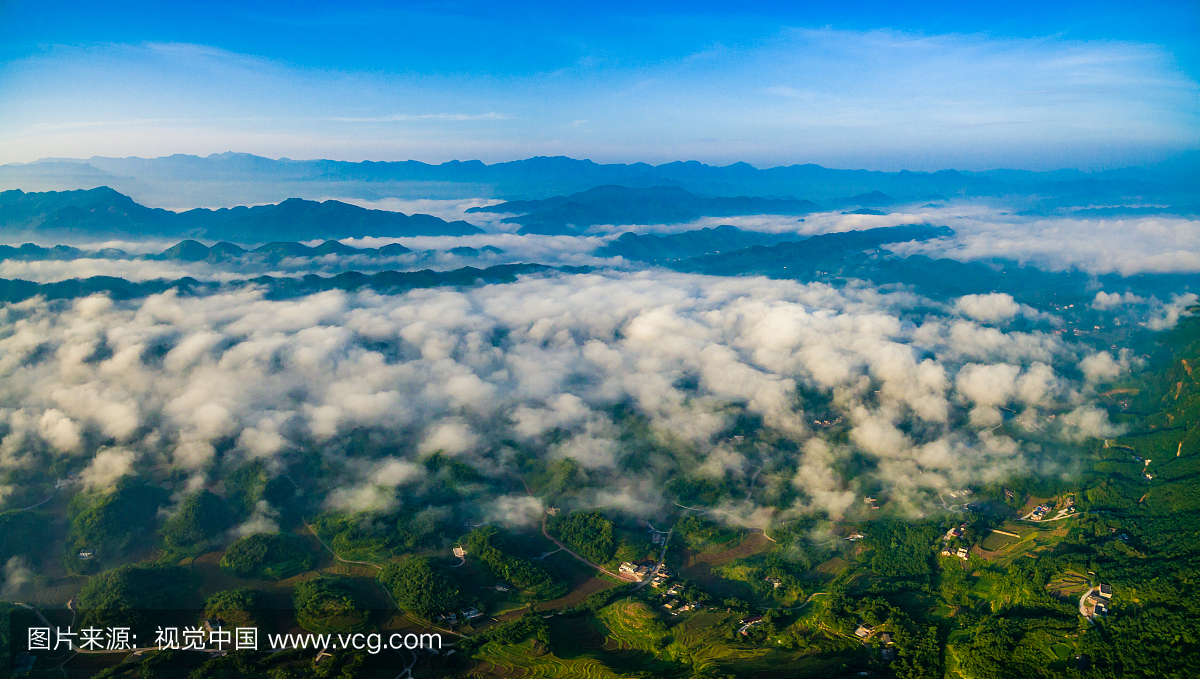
(564, 367)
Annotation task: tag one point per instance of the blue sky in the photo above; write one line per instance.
(876, 85)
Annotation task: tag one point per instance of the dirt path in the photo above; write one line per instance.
(51, 497)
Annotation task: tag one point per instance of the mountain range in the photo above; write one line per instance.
(103, 212)
(387, 282)
(239, 178)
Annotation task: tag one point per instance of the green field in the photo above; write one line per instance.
(996, 541)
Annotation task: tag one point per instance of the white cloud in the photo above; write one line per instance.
(109, 465)
(992, 308)
(549, 362)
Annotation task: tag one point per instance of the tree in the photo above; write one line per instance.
(109, 523)
(327, 605)
(420, 587)
(250, 483)
(268, 556)
(132, 594)
(588, 533)
(202, 517)
(496, 550)
(902, 549)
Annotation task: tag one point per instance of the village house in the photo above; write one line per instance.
(638, 571)
(1041, 511)
(955, 532)
(864, 630)
(750, 623)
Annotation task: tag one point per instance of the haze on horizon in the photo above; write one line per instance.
(924, 87)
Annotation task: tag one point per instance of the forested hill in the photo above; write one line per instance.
(195, 251)
(104, 213)
(654, 248)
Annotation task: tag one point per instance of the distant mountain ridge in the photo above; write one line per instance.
(572, 214)
(252, 179)
(104, 212)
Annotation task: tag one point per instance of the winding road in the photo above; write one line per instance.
(1083, 599)
(335, 554)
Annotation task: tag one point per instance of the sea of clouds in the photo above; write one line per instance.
(203, 384)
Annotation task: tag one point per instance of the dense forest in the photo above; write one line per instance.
(268, 555)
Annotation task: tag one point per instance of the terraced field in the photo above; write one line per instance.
(833, 566)
(577, 594)
(523, 660)
(1069, 586)
(754, 543)
(632, 623)
(994, 542)
(701, 567)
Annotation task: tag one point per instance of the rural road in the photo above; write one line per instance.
(335, 555)
(662, 556)
(1083, 599)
